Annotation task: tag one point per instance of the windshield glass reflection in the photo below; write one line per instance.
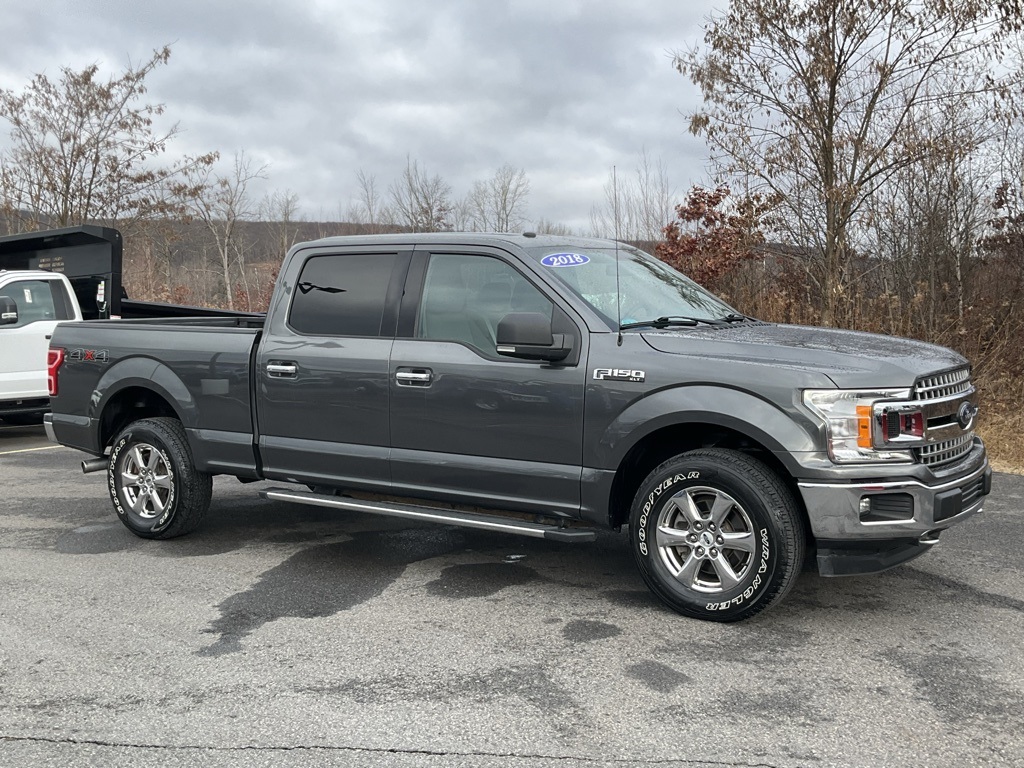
(648, 288)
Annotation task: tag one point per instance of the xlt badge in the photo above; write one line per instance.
(619, 374)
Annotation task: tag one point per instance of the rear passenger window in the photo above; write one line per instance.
(342, 295)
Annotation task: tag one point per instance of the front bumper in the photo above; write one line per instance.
(866, 527)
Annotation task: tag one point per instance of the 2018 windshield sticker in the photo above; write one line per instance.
(565, 260)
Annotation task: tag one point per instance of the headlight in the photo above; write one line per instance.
(848, 416)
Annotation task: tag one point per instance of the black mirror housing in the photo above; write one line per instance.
(8, 311)
(528, 336)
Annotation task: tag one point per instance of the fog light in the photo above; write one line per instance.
(865, 505)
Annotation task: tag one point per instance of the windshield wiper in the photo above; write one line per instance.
(666, 322)
(736, 317)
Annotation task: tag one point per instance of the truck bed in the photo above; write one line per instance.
(199, 366)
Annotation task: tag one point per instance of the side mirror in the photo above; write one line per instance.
(528, 336)
(8, 311)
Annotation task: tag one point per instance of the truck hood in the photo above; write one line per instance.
(851, 359)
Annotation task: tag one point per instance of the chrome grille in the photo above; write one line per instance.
(941, 385)
(945, 452)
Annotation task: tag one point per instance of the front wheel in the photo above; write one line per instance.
(716, 535)
(156, 489)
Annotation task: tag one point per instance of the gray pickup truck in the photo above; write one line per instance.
(538, 385)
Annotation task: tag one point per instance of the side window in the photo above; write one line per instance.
(342, 295)
(464, 298)
(34, 299)
(61, 300)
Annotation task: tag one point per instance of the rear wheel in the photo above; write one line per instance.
(716, 535)
(153, 483)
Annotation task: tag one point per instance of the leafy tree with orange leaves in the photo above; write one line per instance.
(714, 232)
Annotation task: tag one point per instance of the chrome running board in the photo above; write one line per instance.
(434, 515)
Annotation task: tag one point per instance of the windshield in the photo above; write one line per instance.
(648, 288)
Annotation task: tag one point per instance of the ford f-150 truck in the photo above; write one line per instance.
(539, 385)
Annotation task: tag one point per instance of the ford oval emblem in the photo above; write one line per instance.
(965, 415)
(565, 260)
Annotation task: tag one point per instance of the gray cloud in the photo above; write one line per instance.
(320, 89)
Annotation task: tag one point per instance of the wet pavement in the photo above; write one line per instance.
(284, 635)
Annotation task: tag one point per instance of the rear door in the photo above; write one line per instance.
(467, 423)
(322, 368)
(42, 302)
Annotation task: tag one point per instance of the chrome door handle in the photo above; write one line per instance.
(414, 378)
(282, 369)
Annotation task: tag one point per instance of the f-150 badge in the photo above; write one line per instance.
(619, 374)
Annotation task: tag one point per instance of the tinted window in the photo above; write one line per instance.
(61, 301)
(35, 301)
(464, 298)
(342, 295)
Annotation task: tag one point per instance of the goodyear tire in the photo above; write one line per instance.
(716, 535)
(154, 485)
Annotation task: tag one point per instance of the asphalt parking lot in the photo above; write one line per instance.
(281, 635)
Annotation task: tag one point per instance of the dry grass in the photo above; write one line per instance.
(1002, 435)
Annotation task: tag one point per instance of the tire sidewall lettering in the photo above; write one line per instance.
(656, 494)
(756, 584)
(751, 588)
(114, 469)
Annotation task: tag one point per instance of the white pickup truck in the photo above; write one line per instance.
(53, 276)
(32, 302)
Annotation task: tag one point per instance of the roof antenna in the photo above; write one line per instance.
(615, 215)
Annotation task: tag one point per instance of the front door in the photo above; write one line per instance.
(467, 423)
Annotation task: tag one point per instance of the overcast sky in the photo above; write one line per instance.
(318, 89)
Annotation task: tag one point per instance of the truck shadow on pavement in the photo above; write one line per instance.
(345, 560)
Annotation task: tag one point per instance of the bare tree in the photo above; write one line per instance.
(816, 101)
(545, 227)
(420, 202)
(281, 212)
(643, 206)
(461, 217)
(83, 149)
(499, 203)
(223, 203)
(924, 224)
(369, 208)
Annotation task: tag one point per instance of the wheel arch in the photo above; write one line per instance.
(139, 388)
(132, 403)
(684, 418)
(664, 442)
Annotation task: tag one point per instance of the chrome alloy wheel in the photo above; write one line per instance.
(706, 539)
(146, 481)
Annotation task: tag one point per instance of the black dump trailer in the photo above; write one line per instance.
(91, 258)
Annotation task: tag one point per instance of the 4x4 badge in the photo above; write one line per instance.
(88, 355)
(619, 374)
